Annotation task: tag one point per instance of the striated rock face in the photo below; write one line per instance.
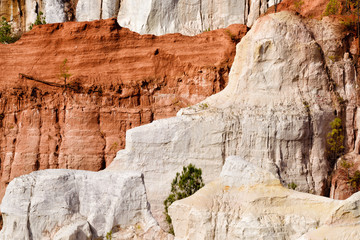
(69, 204)
(275, 112)
(247, 202)
(13, 11)
(306, 8)
(188, 17)
(119, 80)
(344, 171)
(142, 16)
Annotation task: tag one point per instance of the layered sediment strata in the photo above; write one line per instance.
(69, 204)
(119, 80)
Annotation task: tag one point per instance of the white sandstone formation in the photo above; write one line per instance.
(30, 9)
(70, 204)
(88, 10)
(188, 17)
(158, 17)
(247, 202)
(54, 11)
(110, 8)
(275, 112)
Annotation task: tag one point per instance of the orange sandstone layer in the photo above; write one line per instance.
(119, 80)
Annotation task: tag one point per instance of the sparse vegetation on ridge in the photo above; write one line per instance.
(40, 20)
(332, 8)
(298, 4)
(292, 185)
(354, 181)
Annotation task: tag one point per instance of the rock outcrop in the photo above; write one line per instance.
(275, 112)
(188, 17)
(247, 202)
(119, 80)
(70, 204)
(143, 16)
(345, 170)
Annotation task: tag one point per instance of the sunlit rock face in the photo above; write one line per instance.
(143, 16)
(275, 112)
(122, 80)
(73, 204)
(188, 17)
(248, 202)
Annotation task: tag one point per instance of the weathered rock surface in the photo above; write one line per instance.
(306, 8)
(247, 202)
(119, 80)
(142, 16)
(275, 112)
(345, 170)
(13, 11)
(70, 204)
(188, 17)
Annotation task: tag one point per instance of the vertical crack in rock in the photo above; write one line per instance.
(101, 8)
(246, 11)
(307, 108)
(20, 10)
(62, 132)
(38, 155)
(201, 16)
(103, 137)
(14, 142)
(354, 127)
(117, 9)
(58, 134)
(28, 224)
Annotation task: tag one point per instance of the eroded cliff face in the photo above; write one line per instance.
(143, 16)
(283, 92)
(119, 80)
(247, 202)
(188, 17)
(69, 204)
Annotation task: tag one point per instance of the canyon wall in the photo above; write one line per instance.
(284, 90)
(70, 204)
(143, 16)
(244, 202)
(291, 77)
(119, 80)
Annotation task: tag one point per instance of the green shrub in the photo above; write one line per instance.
(354, 181)
(109, 235)
(292, 186)
(306, 106)
(183, 186)
(298, 4)
(232, 36)
(203, 106)
(332, 8)
(348, 23)
(335, 140)
(344, 164)
(5, 32)
(40, 20)
(64, 72)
